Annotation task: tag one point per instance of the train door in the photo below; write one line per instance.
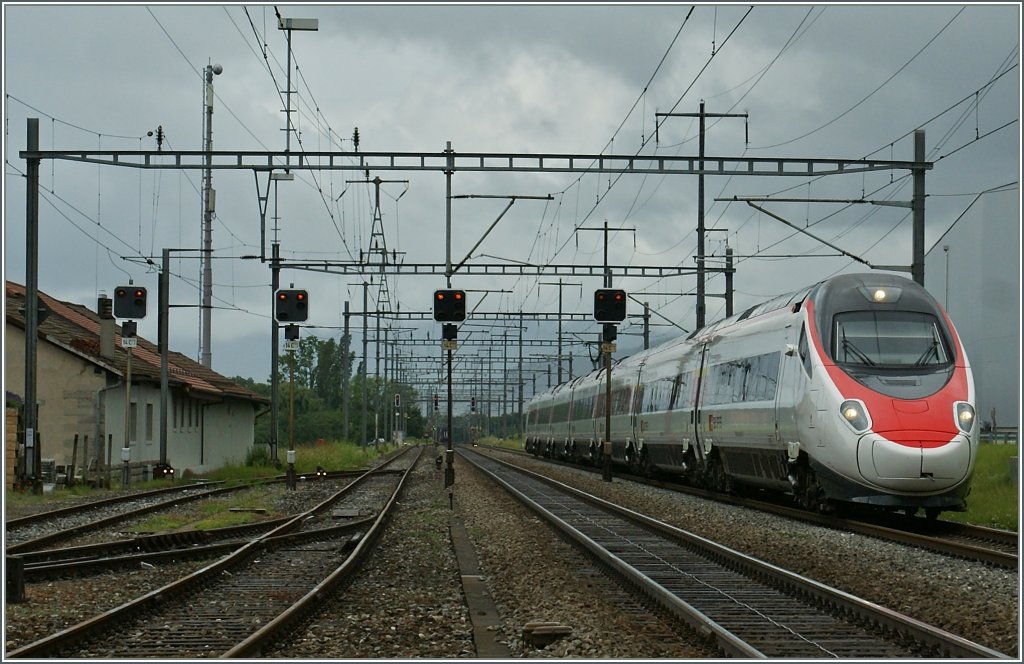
(794, 374)
(697, 414)
(808, 411)
(636, 433)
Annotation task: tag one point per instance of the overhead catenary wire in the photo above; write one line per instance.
(868, 95)
(133, 256)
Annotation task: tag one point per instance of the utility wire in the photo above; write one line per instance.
(132, 257)
(870, 94)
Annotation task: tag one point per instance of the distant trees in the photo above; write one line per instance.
(322, 370)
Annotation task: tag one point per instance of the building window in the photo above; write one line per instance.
(133, 422)
(175, 402)
(149, 422)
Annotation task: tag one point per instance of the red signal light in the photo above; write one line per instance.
(291, 306)
(130, 302)
(609, 304)
(449, 305)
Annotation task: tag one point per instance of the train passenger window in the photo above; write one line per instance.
(805, 351)
(889, 338)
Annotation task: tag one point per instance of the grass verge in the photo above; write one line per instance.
(995, 496)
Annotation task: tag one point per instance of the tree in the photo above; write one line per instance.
(323, 379)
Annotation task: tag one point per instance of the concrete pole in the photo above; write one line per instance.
(701, 308)
(362, 441)
(164, 310)
(275, 283)
(345, 384)
(917, 206)
(33, 466)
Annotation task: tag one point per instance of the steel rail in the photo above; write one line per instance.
(284, 533)
(726, 641)
(120, 554)
(912, 531)
(950, 645)
(71, 531)
(254, 644)
(21, 521)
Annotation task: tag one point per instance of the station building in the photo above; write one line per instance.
(80, 389)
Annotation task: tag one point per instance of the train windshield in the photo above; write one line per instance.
(900, 339)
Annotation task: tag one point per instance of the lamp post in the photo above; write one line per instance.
(206, 356)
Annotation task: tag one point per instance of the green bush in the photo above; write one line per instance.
(258, 455)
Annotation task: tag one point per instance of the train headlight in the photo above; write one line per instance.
(856, 415)
(879, 294)
(964, 416)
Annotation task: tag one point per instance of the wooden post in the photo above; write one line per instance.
(110, 451)
(74, 455)
(15, 573)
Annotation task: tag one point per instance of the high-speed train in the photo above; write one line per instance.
(855, 390)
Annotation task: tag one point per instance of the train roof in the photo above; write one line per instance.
(777, 303)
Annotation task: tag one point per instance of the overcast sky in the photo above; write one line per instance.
(828, 81)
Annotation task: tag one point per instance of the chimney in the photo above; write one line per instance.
(105, 308)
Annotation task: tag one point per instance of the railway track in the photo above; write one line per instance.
(38, 530)
(962, 540)
(749, 608)
(98, 557)
(34, 532)
(236, 605)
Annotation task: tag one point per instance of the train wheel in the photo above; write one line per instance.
(932, 513)
(646, 467)
(809, 494)
(717, 478)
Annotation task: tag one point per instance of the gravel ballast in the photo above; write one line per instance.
(407, 601)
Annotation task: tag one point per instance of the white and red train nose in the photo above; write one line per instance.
(922, 466)
(917, 446)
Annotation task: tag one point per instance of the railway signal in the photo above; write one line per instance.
(609, 304)
(291, 305)
(436, 403)
(449, 305)
(130, 302)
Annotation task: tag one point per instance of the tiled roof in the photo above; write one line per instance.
(77, 329)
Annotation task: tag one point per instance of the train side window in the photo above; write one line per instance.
(805, 351)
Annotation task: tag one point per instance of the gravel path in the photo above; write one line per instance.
(408, 601)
